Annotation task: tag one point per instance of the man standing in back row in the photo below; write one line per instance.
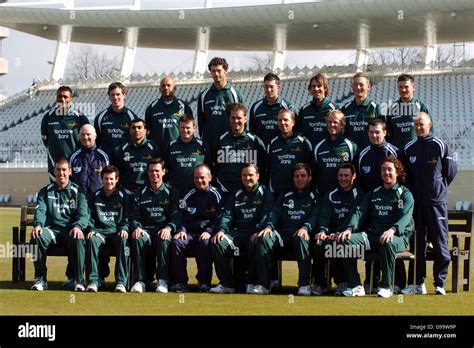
(163, 114)
(431, 168)
(60, 129)
(360, 110)
(400, 116)
(264, 112)
(113, 124)
(213, 103)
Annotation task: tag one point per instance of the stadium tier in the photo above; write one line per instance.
(450, 97)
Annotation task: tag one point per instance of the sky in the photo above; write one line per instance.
(28, 58)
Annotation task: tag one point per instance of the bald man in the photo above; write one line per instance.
(431, 167)
(163, 114)
(87, 162)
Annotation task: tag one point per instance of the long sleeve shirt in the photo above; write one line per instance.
(385, 208)
(336, 208)
(246, 212)
(295, 210)
(62, 209)
(156, 209)
(202, 210)
(431, 167)
(109, 214)
(282, 155)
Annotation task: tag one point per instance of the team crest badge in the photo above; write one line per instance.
(412, 159)
(366, 169)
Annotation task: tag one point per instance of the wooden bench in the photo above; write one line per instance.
(19, 238)
(460, 230)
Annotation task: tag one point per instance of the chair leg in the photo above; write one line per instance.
(371, 280)
(328, 273)
(15, 275)
(280, 271)
(467, 271)
(455, 270)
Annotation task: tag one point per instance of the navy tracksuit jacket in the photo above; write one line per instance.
(431, 167)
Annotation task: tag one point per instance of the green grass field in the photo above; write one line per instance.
(16, 299)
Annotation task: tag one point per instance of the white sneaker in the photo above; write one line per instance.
(39, 285)
(79, 287)
(304, 290)
(138, 287)
(162, 286)
(260, 290)
(221, 289)
(120, 288)
(340, 289)
(419, 290)
(357, 291)
(249, 288)
(318, 290)
(440, 291)
(92, 287)
(385, 293)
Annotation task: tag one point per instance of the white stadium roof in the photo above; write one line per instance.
(294, 26)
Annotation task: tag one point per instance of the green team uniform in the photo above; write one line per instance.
(181, 158)
(113, 128)
(357, 120)
(60, 134)
(264, 118)
(282, 155)
(400, 126)
(335, 209)
(328, 156)
(245, 213)
(109, 215)
(387, 208)
(162, 120)
(311, 120)
(231, 153)
(292, 211)
(132, 161)
(213, 111)
(57, 212)
(152, 211)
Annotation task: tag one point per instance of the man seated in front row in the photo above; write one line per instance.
(155, 216)
(61, 216)
(389, 208)
(109, 208)
(289, 226)
(244, 217)
(201, 209)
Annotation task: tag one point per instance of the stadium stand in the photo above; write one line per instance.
(452, 112)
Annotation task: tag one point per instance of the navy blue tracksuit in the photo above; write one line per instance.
(201, 210)
(431, 168)
(368, 164)
(86, 167)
